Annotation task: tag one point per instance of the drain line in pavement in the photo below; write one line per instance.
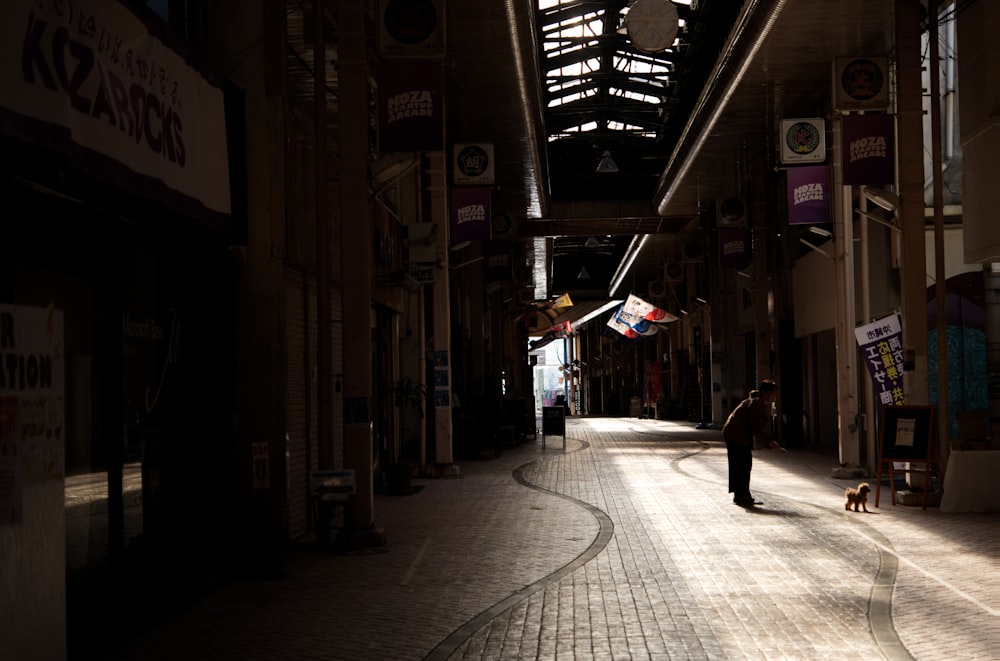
(416, 561)
(606, 529)
(880, 601)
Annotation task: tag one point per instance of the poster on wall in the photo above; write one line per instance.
(881, 345)
(32, 403)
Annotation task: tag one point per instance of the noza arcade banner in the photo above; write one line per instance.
(410, 107)
(808, 194)
(881, 345)
(869, 147)
(470, 214)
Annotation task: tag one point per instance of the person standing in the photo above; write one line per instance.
(749, 422)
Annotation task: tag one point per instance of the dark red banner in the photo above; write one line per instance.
(411, 107)
(869, 148)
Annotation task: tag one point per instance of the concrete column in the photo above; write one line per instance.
(846, 343)
(437, 184)
(910, 158)
(356, 254)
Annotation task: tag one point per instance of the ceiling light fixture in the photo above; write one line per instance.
(821, 231)
(583, 274)
(607, 164)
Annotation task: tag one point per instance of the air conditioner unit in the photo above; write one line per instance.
(731, 212)
(673, 271)
(693, 250)
(657, 288)
(411, 28)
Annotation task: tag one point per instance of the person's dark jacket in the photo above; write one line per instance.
(750, 420)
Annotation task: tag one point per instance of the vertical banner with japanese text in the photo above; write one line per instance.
(881, 345)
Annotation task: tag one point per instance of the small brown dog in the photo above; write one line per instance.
(857, 496)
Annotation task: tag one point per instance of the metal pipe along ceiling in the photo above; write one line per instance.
(749, 33)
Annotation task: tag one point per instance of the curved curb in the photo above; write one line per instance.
(606, 529)
(880, 601)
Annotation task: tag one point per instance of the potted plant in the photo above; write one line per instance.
(407, 395)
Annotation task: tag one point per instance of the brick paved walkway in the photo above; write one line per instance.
(625, 546)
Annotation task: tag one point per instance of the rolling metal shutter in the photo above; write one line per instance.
(300, 406)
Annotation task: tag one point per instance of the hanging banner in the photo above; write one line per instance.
(630, 325)
(470, 214)
(410, 107)
(869, 147)
(635, 317)
(734, 247)
(881, 345)
(808, 193)
(640, 309)
(499, 258)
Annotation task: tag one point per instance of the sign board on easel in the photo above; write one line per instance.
(908, 435)
(554, 422)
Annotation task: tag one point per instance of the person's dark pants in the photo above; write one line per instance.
(740, 462)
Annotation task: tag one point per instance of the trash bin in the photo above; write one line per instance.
(635, 407)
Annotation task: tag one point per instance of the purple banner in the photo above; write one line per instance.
(470, 214)
(499, 258)
(808, 190)
(734, 247)
(410, 108)
(869, 148)
(881, 345)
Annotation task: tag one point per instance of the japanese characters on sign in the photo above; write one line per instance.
(881, 345)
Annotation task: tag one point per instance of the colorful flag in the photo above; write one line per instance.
(637, 307)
